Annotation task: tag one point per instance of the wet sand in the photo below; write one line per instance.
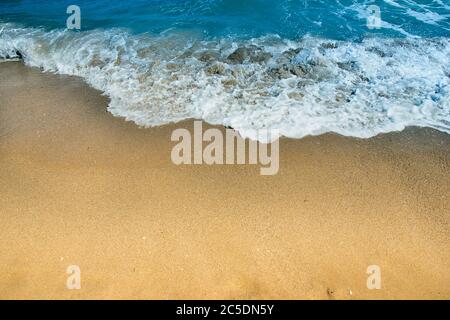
(81, 187)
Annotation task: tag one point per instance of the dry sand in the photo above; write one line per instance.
(78, 186)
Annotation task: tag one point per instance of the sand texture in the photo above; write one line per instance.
(81, 187)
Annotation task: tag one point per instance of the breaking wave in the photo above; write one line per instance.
(305, 87)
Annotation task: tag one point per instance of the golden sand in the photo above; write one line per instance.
(80, 187)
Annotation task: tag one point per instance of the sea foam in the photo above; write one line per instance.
(305, 87)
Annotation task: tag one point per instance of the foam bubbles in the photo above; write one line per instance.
(305, 87)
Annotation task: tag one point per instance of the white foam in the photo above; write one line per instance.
(307, 87)
(393, 3)
(363, 14)
(427, 17)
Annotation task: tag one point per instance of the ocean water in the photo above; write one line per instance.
(302, 67)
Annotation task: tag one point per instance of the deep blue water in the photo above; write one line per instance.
(239, 18)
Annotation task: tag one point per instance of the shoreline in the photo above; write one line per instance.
(82, 187)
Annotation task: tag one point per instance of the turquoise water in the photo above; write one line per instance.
(240, 18)
(303, 67)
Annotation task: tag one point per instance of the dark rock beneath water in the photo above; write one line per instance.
(280, 72)
(298, 70)
(260, 57)
(208, 56)
(238, 56)
(254, 54)
(215, 69)
(329, 45)
(229, 82)
(19, 54)
(291, 53)
(288, 70)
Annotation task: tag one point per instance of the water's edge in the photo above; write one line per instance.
(305, 87)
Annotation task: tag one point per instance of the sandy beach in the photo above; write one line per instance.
(79, 186)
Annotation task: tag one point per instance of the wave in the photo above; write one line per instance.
(305, 87)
